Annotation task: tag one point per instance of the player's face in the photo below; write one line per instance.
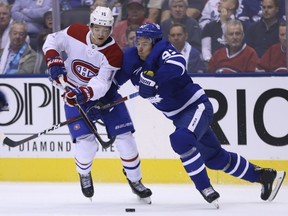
(282, 35)
(144, 46)
(99, 34)
(234, 36)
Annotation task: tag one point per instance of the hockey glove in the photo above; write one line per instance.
(92, 113)
(147, 84)
(78, 95)
(56, 68)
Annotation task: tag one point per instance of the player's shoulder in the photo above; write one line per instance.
(110, 48)
(112, 52)
(131, 57)
(78, 31)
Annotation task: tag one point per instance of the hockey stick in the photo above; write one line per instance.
(11, 143)
(7, 141)
(104, 144)
(114, 103)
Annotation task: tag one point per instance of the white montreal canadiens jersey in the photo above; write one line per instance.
(86, 63)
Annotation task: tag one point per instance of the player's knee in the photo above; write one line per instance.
(126, 145)
(219, 161)
(86, 148)
(182, 141)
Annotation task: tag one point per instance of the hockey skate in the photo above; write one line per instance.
(271, 181)
(87, 185)
(140, 190)
(211, 196)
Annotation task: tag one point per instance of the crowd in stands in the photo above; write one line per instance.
(215, 36)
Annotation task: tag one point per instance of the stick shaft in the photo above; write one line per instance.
(105, 144)
(12, 143)
(121, 100)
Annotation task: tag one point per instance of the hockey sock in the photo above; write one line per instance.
(196, 169)
(241, 168)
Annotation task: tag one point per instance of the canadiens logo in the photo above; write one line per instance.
(83, 70)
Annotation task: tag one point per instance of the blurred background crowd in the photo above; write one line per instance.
(215, 36)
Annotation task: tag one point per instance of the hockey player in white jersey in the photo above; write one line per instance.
(93, 57)
(158, 70)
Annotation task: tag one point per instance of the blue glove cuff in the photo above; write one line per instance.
(56, 71)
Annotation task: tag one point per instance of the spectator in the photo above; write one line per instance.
(250, 10)
(66, 5)
(212, 34)
(178, 9)
(264, 33)
(154, 10)
(274, 59)
(103, 3)
(40, 64)
(37, 43)
(194, 9)
(209, 12)
(237, 56)
(31, 12)
(178, 37)
(17, 56)
(131, 36)
(48, 20)
(136, 16)
(5, 22)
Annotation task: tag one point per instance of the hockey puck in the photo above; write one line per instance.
(130, 209)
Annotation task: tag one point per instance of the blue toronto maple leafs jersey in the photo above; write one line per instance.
(175, 88)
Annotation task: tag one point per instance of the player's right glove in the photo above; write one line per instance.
(56, 68)
(147, 84)
(79, 95)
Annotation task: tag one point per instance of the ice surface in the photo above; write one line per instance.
(66, 199)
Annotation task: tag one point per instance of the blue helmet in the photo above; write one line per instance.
(150, 30)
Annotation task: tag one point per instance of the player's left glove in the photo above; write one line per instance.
(147, 84)
(78, 95)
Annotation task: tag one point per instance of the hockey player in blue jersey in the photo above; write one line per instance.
(158, 70)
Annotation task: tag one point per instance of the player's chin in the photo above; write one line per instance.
(100, 41)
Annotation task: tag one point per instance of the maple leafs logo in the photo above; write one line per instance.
(156, 99)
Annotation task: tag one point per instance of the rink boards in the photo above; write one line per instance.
(250, 119)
